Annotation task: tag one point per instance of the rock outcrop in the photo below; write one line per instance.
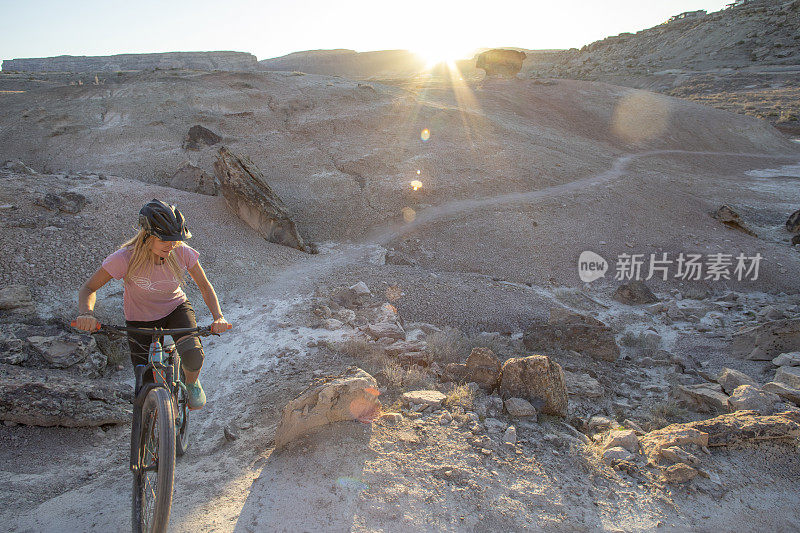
(767, 341)
(248, 194)
(500, 63)
(230, 61)
(193, 179)
(572, 331)
(199, 137)
(537, 379)
(40, 398)
(353, 395)
(728, 216)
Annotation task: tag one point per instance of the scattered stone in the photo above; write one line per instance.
(391, 418)
(788, 375)
(64, 350)
(749, 397)
(389, 330)
(615, 455)
(630, 424)
(360, 289)
(198, 137)
(676, 454)
(18, 167)
(494, 425)
(784, 391)
(332, 324)
(230, 434)
(445, 418)
(519, 408)
(68, 202)
(703, 397)
(352, 395)
(537, 379)
(396, 257)
(728, 216)
(489, 406)
(566, 330)
(483, 368)
(583, 385)
(249, 196)
(510, 435)
(426, 398)
(793, 222)
(600, 423)
(730, 379)
(787, 359)
(767, 341)
(679, 473)
(625, 438)
(193, 179)
(633, 293)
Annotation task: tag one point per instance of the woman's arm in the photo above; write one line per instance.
(87, 296)
(209, 297)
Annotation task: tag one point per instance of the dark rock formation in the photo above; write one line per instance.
(635, 292)
(728, 216)
(572, 331)
(54, 398)
(249, 196)
(199, 137)
(231, 61)
(499, 62)
(194, 179)
(793, 222)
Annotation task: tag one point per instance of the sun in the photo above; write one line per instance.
(434, 53)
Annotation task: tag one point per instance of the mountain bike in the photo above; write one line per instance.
(160, 429)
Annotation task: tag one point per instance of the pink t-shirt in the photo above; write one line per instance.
(150, 295)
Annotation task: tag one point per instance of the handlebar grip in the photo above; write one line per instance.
(74, 324)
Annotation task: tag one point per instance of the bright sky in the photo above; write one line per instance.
(42, 28)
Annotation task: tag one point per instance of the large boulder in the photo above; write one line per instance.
(634, 292)
(68, 202)
(729, 379)
(703, 397)
(537, 379)
(193, 179)
(572, 331)
(248, 194)
(500, 62)
(789, 375)
(750, 398)
(55, 398)
(352, 395)
(483, 368)
(783, 390)
(198, 137)
(765, 342)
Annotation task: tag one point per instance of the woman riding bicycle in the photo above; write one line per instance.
(152, 266)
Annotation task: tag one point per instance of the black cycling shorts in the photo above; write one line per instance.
(191, 349)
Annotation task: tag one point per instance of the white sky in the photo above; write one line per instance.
(41, 28)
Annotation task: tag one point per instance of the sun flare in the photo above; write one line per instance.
(436, 53)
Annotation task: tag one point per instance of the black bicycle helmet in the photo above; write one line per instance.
(164, 221)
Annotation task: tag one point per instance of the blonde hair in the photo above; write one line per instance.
(142, 257)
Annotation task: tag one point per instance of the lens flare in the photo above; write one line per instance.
(425, 135)
(408, 214)
(419, 172)
(416, 184)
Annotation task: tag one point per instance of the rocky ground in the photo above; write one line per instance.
(486, 258)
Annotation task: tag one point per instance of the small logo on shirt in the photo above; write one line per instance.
(164, 286)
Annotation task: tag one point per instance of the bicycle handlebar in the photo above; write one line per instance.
(156, 332)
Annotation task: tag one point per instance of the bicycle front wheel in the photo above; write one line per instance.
(155, 475)
(182, 422)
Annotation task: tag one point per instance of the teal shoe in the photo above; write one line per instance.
(197, 398)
